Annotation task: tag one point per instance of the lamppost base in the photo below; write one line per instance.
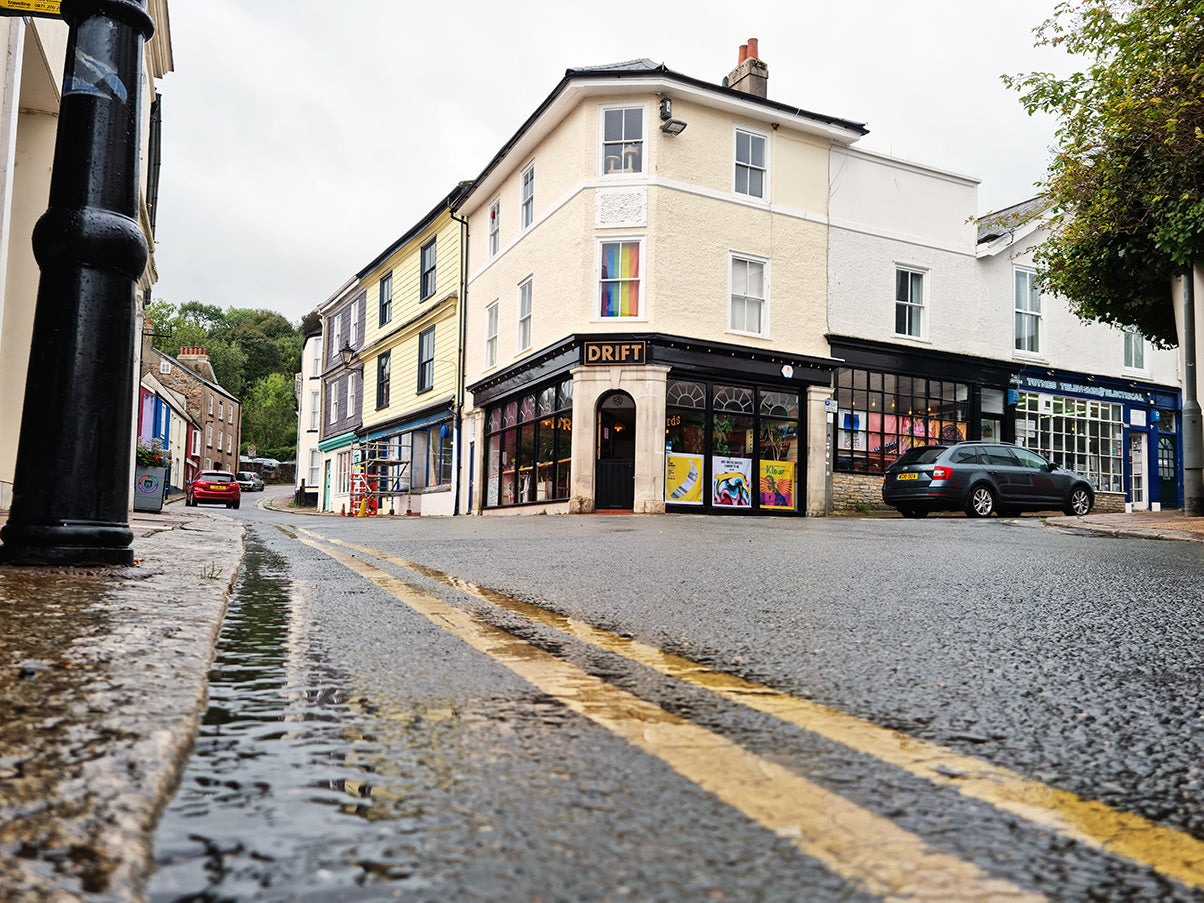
(62, 545)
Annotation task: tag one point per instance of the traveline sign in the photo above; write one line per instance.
(600, 354)
(45, 8)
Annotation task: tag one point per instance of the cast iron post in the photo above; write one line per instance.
(71, 489)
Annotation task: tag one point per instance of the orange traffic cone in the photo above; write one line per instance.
(343, 510)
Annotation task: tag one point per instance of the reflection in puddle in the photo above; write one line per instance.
(295, 763)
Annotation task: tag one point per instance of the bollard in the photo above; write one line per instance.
(71, 488)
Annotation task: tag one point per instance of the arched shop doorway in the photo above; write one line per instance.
(614, 474)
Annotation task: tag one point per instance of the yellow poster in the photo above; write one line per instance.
(683, 479)
(30, 7)
(777, 484)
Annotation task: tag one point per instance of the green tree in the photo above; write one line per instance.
(229, 364)
(269, 413)
(1125, 184)
(310, 323)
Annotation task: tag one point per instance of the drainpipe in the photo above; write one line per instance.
(463, 316)
(1193, 458)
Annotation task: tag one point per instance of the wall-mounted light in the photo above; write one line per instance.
(348, 356)
(673, 127)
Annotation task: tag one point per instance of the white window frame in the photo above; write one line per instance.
(350, 383)
(1134, 360)
(495, 227)
(229, 443)
(643, 278)
(1037, 315)
(491, 326)
(230, 413)
(351, 323)
(748, 165)
(210, 405)
(165, 367)
(317, 358)
(920, 308)
(526, 304)
(208, 435)
(196, 443)
(735, 258)
(332, 406)
(620, 170)
(315, 462)
(315, 414)
(527, 199)
(219, 440)
(221, 410)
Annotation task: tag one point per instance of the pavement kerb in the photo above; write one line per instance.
(105, 684)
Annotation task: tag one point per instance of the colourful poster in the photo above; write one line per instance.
(777, 484)
(683, 479)
(731, 484)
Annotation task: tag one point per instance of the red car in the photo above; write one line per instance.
(213, 486)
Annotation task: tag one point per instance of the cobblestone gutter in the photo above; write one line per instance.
(103, 676)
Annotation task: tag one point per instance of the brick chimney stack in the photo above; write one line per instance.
(751, 74)
(197, 360)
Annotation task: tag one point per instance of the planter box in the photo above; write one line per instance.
(149, 486)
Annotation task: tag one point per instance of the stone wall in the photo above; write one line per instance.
(858, 493)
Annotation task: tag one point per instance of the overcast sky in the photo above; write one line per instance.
(301, 138)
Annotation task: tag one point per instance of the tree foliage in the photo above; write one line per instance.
(254, 354)
(1125, 184)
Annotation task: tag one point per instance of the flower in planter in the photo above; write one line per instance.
(150, 455)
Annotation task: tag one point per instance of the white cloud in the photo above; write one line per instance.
(301, 138)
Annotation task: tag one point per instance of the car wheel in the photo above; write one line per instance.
(981, 501)
(914, 512)
(189, 502)
(1078, 503)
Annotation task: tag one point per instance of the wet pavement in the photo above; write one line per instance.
(351, 751)
(102, 683)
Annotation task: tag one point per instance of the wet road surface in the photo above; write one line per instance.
(993, 711)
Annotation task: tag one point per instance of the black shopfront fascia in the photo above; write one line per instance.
(688, 359)
(978, 373)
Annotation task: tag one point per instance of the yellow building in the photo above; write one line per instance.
(412, 385)
(648, 299)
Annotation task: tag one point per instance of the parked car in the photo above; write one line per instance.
(213, 486)
(249, 481)
(982, 478)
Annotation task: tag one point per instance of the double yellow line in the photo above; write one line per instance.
(863, 848)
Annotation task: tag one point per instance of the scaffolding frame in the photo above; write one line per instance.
(377, 475)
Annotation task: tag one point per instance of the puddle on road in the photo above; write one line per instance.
(294, 766)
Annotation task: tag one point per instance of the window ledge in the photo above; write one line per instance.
(619, 320)
(749, 335)
(1029, 357)
(919, 340)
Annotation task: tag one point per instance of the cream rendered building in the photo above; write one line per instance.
(32, 54)
(648, 306)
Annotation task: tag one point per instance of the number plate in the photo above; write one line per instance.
(907, 476)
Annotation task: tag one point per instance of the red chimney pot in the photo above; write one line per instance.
(743, 54)
(752, 49)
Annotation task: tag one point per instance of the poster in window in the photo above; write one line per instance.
(683, 479)
(731, 484)
(777, 485)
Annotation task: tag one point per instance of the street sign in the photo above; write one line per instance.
(46, 8)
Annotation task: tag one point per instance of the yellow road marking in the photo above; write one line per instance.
(1172, 853)
(863, 848)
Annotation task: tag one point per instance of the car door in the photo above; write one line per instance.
(1002, 468)
(1039, 483)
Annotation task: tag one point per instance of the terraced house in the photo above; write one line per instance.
(406, 450)
(648, 316)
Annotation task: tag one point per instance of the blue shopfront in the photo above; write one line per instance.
(1123, 434)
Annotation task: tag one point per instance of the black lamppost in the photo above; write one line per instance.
(71, 489)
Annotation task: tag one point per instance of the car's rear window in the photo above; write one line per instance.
(217, 477)
(923, 454)
(243, 475)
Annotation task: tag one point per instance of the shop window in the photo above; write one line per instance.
(1085, 436)
(685, 441)
(529, 447)
(881, 415)
(732, 443)
(777, 448)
